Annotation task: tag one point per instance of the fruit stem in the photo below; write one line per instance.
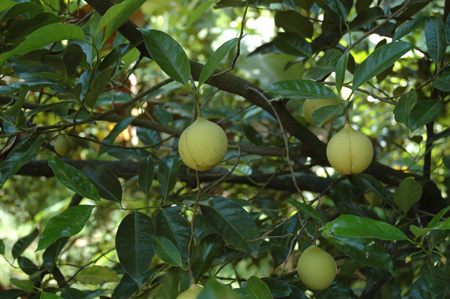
(191, 240)
(197, 110)
(347, 119)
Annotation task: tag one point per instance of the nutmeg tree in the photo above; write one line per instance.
(196, 149)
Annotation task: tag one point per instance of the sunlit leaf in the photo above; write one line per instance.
(197, 13)
(68, 223)
(301, 89)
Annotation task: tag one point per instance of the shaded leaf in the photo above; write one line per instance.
(442, 82)
(436, 38)
(304, 208)
(216, 290)
(167, 251)
(404, 107)
(324, 66)
(105, 181)
(97, 275)
(146, 174)
(2, 247)
(341, 67)
(170, 283)
(294, 22)
(292, 44)
(435, 279)
(372, 183)
(168, 54)
(23, 243)
(118, 128)
(255, 288)
(27, 266)
(73, 179)
(46, 295)
(355, 226)
(208, 249)
(301, 89)
(97, 86)
(168, 173)
(408, 27)
(424, 112)
(408, 194)
(68, 223)
(323, 114)
(379, 60)
(134, 245)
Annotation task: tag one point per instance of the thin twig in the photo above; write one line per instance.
(191, 240)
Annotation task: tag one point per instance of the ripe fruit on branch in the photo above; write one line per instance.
(311, 105)
(203, 145)
(191, 293)
(63, 146)
(349, 151)
(316, 268)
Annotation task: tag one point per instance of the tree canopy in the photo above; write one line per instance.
(96, 201)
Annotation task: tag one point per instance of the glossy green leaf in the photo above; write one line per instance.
(304, 208)
(173, 226)
(46, 295)
(27, 266)
(294, 22)
(105, 181)
(323, 114)
(208, 249)
(365, 251)
(442, 82)
(408, 194)
(5, 4)
(68, 223)
(134, 245)
(373, 184)
(435, 220)
(324, 66)
(379, 60)
(118, 128)
(11, 293)
(168, 173)
(23, 152)
(409, 27)
(404, 107)
(23, 243)
(292, 44)
(167, 251)
(43, 36)
(216, 290)
(436, 38)
(2, 247)
(73, 179)
(125, 287)
(435, 279)
(97, 275)
(20, 9)
(341, 67)
(197, 13)
(97, 86)
(356, 226)
(233, 224)
(146, 174)
(215, 59)
(424, 112)
(301, 89)
(117, 15)
(365, 18)
(255, 288)
(168, 54)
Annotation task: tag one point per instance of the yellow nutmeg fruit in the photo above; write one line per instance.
(316, 268)
(311, 105)
(63, 146)
(191, 293)
(203, 145)
(349, 151)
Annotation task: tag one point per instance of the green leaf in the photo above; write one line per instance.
(28, 266)
(404, 107)
(134, 245)
(292, 44)
(304, 208)
(168, 173)
(446, 161)
(365, 251)
(68, 223)
(105, 181)
(11, 293)
(294, 22)
(233, 224)
(2, 247)
(5, 4)
(434, 221)
(323, 114)
(197, 13)
(23, 243)
(408, 194)
(173, 226)
(436, 38)
(23, 152)
(408, 27)
(216, 290)
(380, 59)
(442, 82)
(447, 25)
(146, 174)
(118, 128)
(167, 251)
(208, 249)
(73, 179)
(366, 17)
(43, 36)
(255, 288)
(168, 54)
(170, 283)
(424, 112)
(215, 59)
(117, 15)
(97, 275)
(324, 66)
(341, 67)
(97, 86)
(435, 279)
(45, 295)
(372, 183)
(301, 89)
(356, 226)
(417, 231)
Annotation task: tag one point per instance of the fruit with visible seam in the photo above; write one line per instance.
(311, 105)
(316, 268)
(203, 145)
(191, 293)
(63, 146)
(349, 151)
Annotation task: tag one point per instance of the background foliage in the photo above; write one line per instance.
(122, 217)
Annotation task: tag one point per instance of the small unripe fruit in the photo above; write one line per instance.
(191, 293)
(316, 268)
(63, 146)
(349, 151)
(203, 145)
(311, 105)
